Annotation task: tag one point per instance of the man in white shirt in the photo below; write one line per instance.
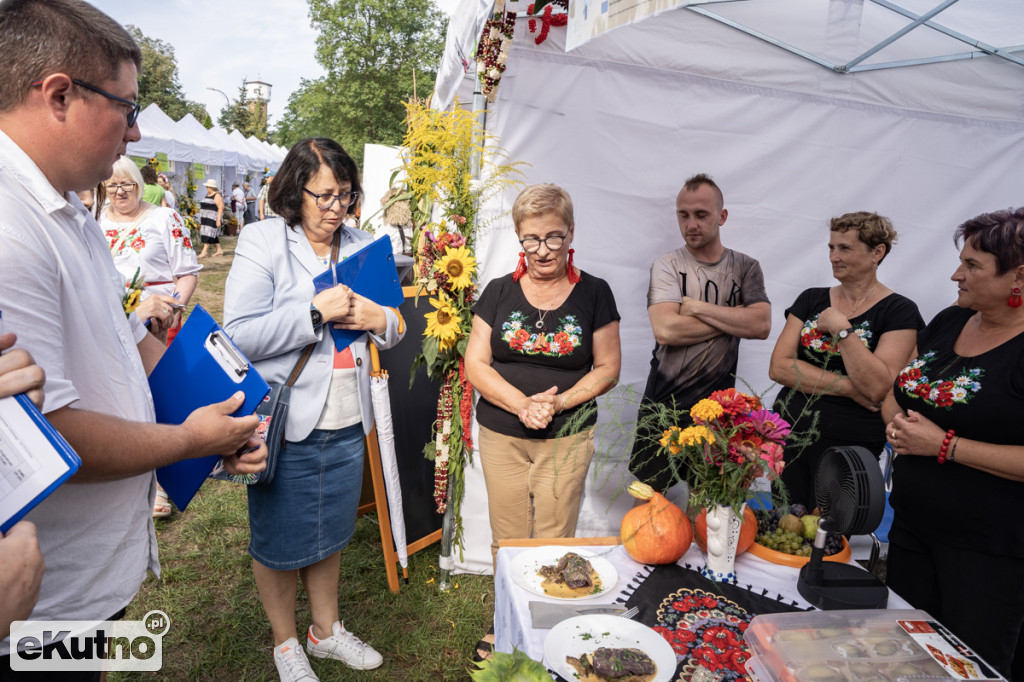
(66, 114)
(238, 205)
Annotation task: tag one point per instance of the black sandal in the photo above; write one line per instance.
(484, 648)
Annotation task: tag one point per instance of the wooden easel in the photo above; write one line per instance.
(374, 495)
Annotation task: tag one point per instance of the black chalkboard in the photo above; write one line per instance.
(413, 411)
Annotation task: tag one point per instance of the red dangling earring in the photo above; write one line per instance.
(1014, 300)
(520, 269)
(570, 270)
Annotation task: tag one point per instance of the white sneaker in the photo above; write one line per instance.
(342, 645)
(292, 664)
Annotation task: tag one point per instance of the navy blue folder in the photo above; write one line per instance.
(202, 366)
(21, 479)
(369, 272)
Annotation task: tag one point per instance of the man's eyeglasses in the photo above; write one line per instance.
(325, 201)
(126, 187)
(532, 244)
(134, 108)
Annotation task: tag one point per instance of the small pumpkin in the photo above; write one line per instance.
(748, 532)
(657, 532)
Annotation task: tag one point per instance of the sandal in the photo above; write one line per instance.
(484, 647)
(161, 505)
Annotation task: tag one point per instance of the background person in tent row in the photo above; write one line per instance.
(21, 561)
(170, 201)
(844, 344)
(545, 340)
(66, 114)
(250, 203)
(265, 210)
(211, 218)
(956, 548)
(703, 298)
(153, 192)
(238, 204)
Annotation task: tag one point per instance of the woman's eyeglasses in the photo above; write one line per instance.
(133, 107)
(126, 187)
(532, 244)
(325, 201)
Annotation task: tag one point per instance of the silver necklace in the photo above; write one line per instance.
(539, 324)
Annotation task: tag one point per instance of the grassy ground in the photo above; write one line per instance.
(218, 628)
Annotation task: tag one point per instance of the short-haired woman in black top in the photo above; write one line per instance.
(840, 350)
(957, 540)
(545, 340)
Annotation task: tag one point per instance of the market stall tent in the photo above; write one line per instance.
(763, 95)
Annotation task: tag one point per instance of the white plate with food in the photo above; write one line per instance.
(566, 573)
(621, 642)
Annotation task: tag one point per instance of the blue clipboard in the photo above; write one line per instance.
(202, 366)
(369, 272)
(53, 472)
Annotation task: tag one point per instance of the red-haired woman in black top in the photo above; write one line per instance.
(957, 541)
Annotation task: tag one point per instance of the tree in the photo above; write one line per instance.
(244, 116)
(158, 79)
(373, 52)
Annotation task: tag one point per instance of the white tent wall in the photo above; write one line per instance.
(621, 135)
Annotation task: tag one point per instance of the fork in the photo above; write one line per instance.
(630, 613)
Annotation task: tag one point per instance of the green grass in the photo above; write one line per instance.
(219, 631)
(218, 628)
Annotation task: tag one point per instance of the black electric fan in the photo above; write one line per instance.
(851, 496)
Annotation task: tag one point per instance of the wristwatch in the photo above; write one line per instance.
(316, 316)
(843, 333)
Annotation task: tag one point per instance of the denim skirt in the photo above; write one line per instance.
(308, 512)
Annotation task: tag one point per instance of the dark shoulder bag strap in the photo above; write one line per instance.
(309, 349)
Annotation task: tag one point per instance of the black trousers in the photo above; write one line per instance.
(978, 596)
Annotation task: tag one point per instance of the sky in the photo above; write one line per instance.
(220, 43)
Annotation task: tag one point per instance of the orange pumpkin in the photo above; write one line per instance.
(747, 533)
(657, 532)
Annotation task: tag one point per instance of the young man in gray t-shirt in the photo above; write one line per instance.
(703, 298)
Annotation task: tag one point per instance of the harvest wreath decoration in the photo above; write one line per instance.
(444, 200)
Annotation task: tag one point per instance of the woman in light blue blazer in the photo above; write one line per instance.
(301, 521)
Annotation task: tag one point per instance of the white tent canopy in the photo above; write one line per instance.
(624, 119)
(228, 157)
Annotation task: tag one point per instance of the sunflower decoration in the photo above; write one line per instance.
(459, 265)
(133, 293)
(444, 323)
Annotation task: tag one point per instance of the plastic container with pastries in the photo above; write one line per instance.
(858, 646)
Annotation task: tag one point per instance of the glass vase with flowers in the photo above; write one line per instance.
(732, 441)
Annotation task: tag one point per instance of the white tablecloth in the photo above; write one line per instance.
(512, 622)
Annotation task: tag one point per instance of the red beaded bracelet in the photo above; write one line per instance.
(945, 445)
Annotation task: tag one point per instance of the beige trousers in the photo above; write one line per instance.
(534, 486)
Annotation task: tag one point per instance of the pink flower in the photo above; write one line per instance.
(768, 424)
(771, 453)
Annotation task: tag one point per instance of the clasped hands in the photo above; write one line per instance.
(348, 310)
(914, 434)
(539, 409)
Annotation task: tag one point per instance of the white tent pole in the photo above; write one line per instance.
(763, 36)
(480, 107)
(959, 57)
(1003, 52)
(900, 33)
